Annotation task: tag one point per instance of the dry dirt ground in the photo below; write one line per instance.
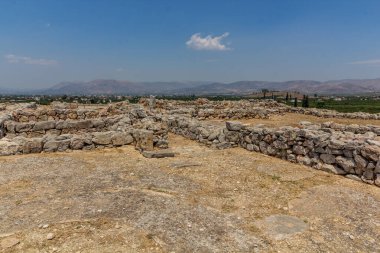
(202, 200)
(293, 119)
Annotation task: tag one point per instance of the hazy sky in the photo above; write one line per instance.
(46, 42)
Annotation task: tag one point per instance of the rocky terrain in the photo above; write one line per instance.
(236, 178)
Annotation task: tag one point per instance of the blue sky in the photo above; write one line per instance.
(45, 42)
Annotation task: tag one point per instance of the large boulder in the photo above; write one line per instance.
(23, 127)
(327, 158)
(84, 124)
(333, 169)
(57, 145)
(234, 125)
(32, 145)
(348, 164)
(43, 125)
(299, 150)
(102, 138)
(121, 138)
(371, 152)
(144, 139)
(8, 147)
(77, 142)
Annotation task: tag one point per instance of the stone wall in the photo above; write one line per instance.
(204, 109)
(344, 153)
(120, 126)
(323, 113)
(63, 111)
(350, 150)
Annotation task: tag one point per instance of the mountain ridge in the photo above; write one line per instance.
(120, 87)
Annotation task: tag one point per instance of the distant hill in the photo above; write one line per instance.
(108, 87)
(342, 87)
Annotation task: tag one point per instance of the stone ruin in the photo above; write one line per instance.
(32, 129)
(349, 150)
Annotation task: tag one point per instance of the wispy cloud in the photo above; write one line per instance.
(367, 62)
(11, 58)
(209, 42)
(120, 70)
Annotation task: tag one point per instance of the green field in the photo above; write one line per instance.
(351, 104)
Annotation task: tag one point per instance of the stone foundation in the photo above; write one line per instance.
(349, 150)
(338, 152)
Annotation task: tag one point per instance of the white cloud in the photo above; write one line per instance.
(367, 62)
(207, 43)
(11, 58)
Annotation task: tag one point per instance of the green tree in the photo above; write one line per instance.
(295, 102)
(264, 91)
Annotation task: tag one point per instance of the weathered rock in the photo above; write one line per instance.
(143, 139)
(234, 125)
(333, 169)
(347, 164)
(299, 150)
(102, 138)
(121, 138)
(361, 163)
(23, 127)
(84, 124)
(77, 143)
(44, 125)
(368, 174)
(158, 153)
(32, 145)
(377, 181)
(377, 168)
(50, 236)
(57, 145)
(327, 158)
(304, 160)
(8, 147)
(371, 152)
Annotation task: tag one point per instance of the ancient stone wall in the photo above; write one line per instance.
(252, 108)
(30, 133)
(339, 152)
(350, 150)
(331, 113)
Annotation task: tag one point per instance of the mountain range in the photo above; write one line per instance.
(109, 87)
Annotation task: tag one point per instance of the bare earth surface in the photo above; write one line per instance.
(293, 119)
(202, 200)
